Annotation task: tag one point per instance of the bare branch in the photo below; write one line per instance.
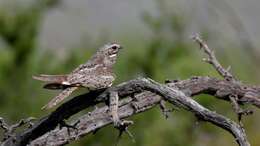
(9, 131)
(223, 72)
(212, 59)
(145, 101)
(220, 89)
(240, 112)
(22, 122)
(3, 124)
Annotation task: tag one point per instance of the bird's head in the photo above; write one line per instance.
(110, 52)
(111, 49)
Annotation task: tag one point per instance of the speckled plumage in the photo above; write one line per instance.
(96, 73)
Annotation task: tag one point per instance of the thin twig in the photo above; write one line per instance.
(3, 124)
(9, 131)
(238, 109)
(212, 59)
(21, 123)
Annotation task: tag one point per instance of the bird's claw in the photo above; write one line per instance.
(122, 124)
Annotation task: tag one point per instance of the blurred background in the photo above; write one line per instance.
(55, 36)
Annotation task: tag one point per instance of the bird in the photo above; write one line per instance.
(96, 73)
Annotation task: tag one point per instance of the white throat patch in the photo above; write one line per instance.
(114, 55)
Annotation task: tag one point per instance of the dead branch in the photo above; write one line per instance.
(212, 59)
(146, 100)
(9, 131)
(224, 73)
(221, 89)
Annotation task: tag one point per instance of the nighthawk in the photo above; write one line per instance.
(96, 73)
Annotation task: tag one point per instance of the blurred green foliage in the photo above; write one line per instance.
(167, 54)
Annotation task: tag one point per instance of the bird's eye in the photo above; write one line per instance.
(114, 47)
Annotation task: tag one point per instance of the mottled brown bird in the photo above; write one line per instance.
(96, 73)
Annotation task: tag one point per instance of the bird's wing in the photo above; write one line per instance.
(65, 93)
(86, 68)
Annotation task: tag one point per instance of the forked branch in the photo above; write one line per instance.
(144, 101)
(224, 73)
(212, 59)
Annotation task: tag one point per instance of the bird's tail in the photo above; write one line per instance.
(65, 93)
(51, 78)
(55, 81)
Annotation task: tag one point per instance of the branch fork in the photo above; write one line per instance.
(225, 73)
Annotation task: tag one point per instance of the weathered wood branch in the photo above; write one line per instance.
(191, 87)
(220, 89)
(146, 100)
(97, 119)
(212, 59)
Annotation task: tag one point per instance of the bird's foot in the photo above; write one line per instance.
(122, 126)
